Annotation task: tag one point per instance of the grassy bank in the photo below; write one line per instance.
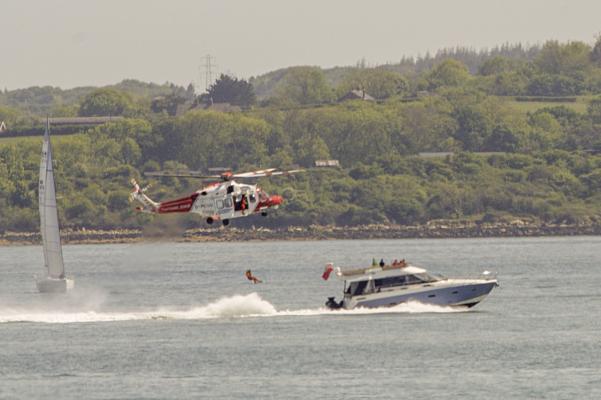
(579, 106)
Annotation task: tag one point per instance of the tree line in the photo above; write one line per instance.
(504, 162)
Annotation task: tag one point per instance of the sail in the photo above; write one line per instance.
(53, 254)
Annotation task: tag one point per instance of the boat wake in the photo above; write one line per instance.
(238, 306)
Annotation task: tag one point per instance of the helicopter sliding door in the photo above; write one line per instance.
(225, 207)
(242, 201)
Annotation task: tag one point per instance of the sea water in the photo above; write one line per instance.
(175, 320)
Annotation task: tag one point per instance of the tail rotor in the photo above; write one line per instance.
(139, 195)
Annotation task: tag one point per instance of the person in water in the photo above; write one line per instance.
(251, 277)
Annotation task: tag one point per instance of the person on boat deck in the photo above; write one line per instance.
(399, 264)
(373, 262)
(250, 277)
(382, 263)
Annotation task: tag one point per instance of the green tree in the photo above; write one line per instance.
(495, 66)
(377, 82)
(168, 104)
(10, 116)
(310, 148)
(563, 58)
(121, 142)
(304, 85)
(104, 102)
(554, 85)
(510, 83)
(545, 133)
(448, 73)
(425, 126)
(594, 110)
(203, 139)
(596, 52)
(232, 90)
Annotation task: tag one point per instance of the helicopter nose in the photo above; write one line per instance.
(275, 200)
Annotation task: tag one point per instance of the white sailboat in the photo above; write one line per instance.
(54, 281)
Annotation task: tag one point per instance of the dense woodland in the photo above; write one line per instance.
(523, 126)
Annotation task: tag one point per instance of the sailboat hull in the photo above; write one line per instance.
(49, 285)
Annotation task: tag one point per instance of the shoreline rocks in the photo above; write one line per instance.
(431, 230)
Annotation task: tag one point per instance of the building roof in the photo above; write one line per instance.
(357, 95)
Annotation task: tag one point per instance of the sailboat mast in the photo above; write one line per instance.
(53, 255)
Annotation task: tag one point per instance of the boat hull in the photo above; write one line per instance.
(464, 295)
(49, 285)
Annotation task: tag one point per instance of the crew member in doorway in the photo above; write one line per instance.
(243, 204)
(251, 277)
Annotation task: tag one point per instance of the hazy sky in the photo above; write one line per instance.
(77, 42)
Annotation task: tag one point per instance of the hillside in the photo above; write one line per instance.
(60, 102)
(266, 84)
(523, 131)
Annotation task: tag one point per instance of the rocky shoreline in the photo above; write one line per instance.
(437, 229)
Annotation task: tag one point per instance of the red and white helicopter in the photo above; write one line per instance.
(222, 199)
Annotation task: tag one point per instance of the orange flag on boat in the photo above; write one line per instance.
(327, 271)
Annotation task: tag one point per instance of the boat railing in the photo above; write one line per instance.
(367, 270)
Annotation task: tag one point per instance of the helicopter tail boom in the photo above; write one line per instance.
(148, 205)
(183, 204)
(178, 205)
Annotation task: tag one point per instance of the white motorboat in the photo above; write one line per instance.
(394, 284)
(54, 280)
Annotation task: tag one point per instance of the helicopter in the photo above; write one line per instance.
(222, 199)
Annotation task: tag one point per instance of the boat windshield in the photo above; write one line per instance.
(363, 287)
(427, 278)
(356, 288)
(403, 280)
(438, 277)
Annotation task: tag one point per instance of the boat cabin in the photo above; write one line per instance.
(374, 280)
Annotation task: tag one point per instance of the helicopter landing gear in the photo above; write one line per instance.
(226, 222)
(209, 220)
(264, 213)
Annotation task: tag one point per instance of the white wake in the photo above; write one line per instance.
(238, 306)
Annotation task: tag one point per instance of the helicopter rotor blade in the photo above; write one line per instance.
(182, 174)
(266, 173)
(255, 174)
(225, 176)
